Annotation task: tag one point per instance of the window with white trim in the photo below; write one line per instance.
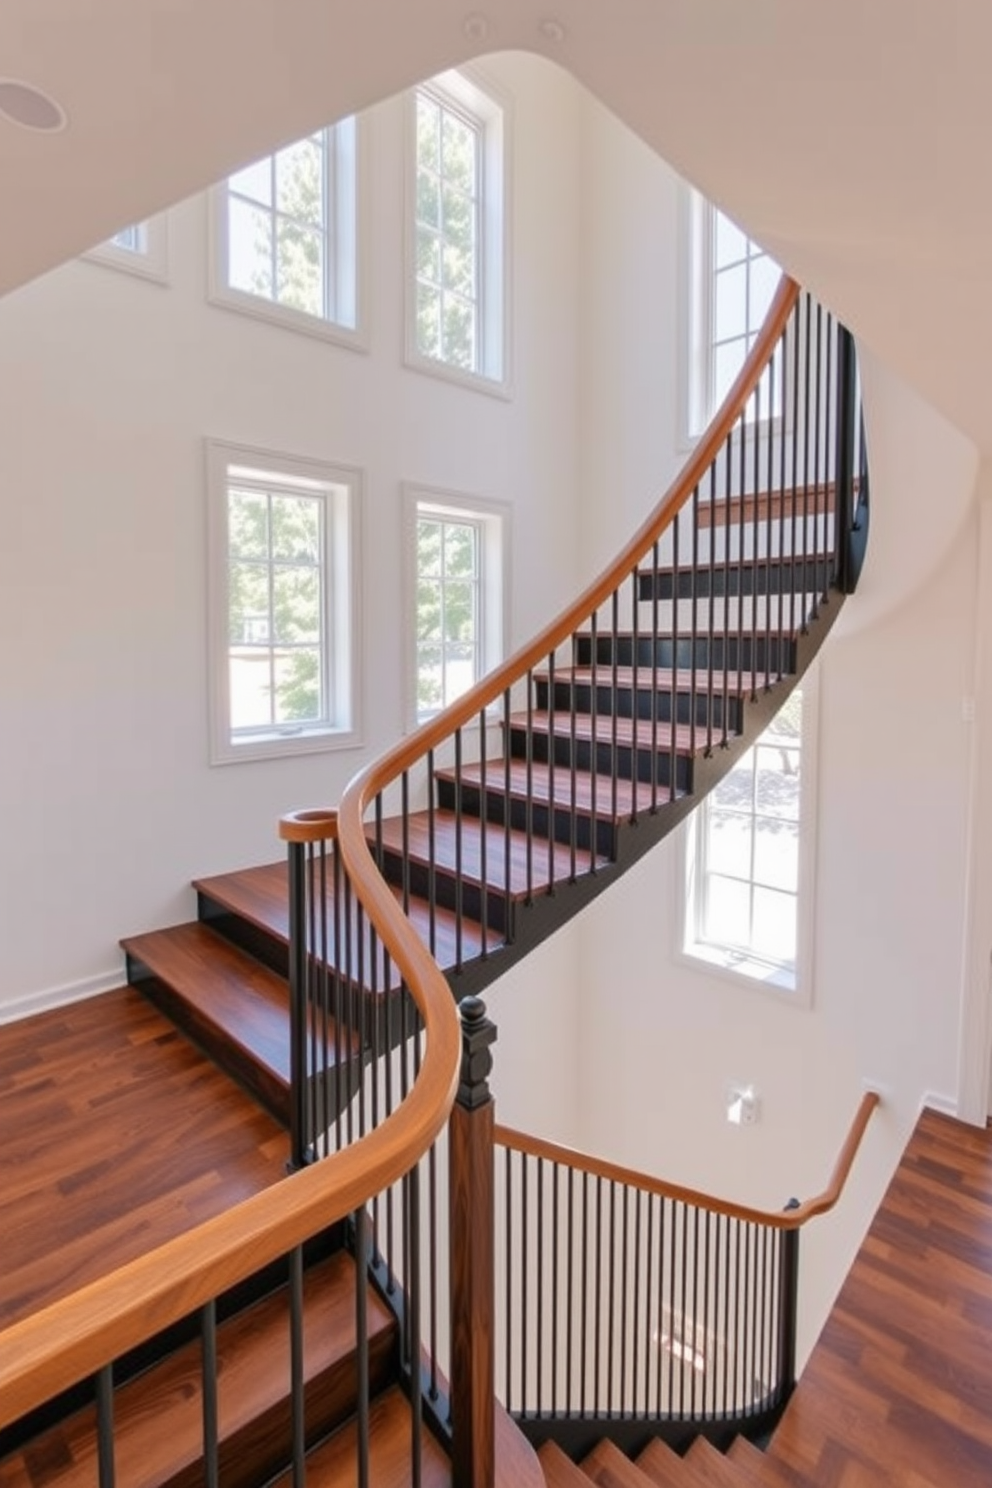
(732, 282)
(456, 316)
(285, 231)
(140, 248)
(749, 857)
(457, 558)
(283, 565)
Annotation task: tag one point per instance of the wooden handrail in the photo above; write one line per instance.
(46, 1353)
(776, 1219)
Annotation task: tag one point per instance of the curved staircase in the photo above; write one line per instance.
(318, 985)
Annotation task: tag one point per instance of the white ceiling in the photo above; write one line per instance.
(852, 137)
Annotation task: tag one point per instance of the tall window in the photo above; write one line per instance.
(732, 282)
(282, 621)
(457, 309)
(140, 248)
(748, 859)
(457, 557)
(286, 233)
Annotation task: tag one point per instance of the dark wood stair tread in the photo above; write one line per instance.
(630, 796)
(608, 726)
(449, 839)
(559, 1470)
(610, 1468)
(665, 1467)
(261, 896)
(648, 678)
(332, 1465)
(224, 988)
(158, 1420)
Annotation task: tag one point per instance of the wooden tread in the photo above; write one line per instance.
(547, 787)
(261, 897)
(664, 1467)
(605, 727)
(712, 1468)
(332, 1465)
(472, 832)
(607, 1466)
(231, 1005)
(158, 1415)
(559, 1470)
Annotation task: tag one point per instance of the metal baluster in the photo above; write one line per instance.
(555, 1192)
(551, 774)
(105, 1426)
(432, 856)
(362, 1343)
(412, 1185)
(507, 918)
(539, 1289)
(593, 735)
(755, 543)
(297, 1401)
(524, 1233)
(484, 835)
(615, 721)
(655, 642)
(459, 859)
(509, 1281)
(673, 702)
(208, 1370)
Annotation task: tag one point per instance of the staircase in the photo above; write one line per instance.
(482, 834)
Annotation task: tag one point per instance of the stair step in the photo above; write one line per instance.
(690, 650)
(259, 898)
(332, 1465)
(756, 1467)
(229, 1003)
(543, 786)
(450, 838)
(733, 580)
(712, 1468)
(158, 1419)
(647, 692)
(559, 1470)
(632, 747)
(607, 1466)
(665, 1467)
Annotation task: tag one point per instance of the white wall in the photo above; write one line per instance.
(108, 385)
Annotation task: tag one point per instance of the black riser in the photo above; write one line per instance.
(265, 947)
(578, 695)
(730, 653)
(499, 914)
(471, 797)
(772, 577)
(626, 758)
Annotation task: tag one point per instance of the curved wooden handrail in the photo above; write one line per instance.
(48, 1352)
(776, 1219)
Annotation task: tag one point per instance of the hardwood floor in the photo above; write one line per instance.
(115, 1135)
(899, 1387)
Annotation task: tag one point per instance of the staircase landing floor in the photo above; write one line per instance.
(117, 1135)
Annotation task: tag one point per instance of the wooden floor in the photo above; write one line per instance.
(115, 1135)
(899, 1387)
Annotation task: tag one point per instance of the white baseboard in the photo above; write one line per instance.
(945, 1104)
(56, 997)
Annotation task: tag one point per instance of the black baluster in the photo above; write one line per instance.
(208, 1369)
(105, 1426)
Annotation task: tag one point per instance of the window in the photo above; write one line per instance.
(458, 225)
(749, 857)
(731, 284)
(140, 248)
(457, 558)
(284, 643)
(286, 235)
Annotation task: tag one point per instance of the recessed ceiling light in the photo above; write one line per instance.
(30, 108)
(476, 27)
(553, 30)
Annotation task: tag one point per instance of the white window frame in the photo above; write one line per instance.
(492, 521)
(345, 149)
(341, 487)
(791, 983)
(468, 92)
(697, 311)
(150, 260)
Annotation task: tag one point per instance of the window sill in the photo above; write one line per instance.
(738, 969)
(272, 744)
(257, 308)
(151, 266)
(476, 382)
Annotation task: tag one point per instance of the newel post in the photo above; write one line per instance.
(788, 1308)
(472, 1221)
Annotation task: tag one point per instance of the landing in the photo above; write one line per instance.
(115, 1135)
(899, 1386)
